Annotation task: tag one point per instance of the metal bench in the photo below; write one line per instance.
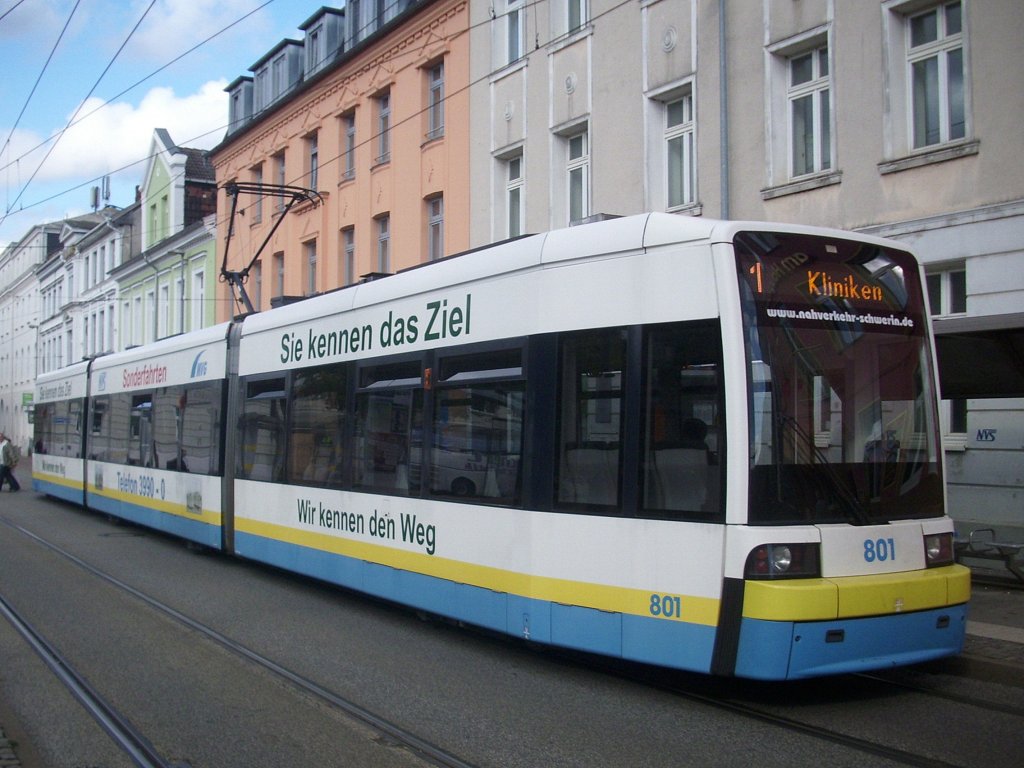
(978, 546)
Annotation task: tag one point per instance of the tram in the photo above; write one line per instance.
(705, 445)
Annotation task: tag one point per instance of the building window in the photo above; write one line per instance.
(257, 205)
(163, 313)
(179, 295)
(935, 56)
(947, 295)
(348, 145)
(353, 24)
(313, 151)
(257, 285)
(679, 126)
(515, 18)
(926, 79)
(279, 274)
(235, 113)
(280, 75)
(348, 254)
(514, 195)
(151, 311)
(384, 244)
(198, 300)
(281, 177)
(435, 228)
(947, 292)
(262, 90)
(810, 112)
(313, 49)
(578, 171)
(138, 330)
(384, 127)
(577, 14)
(435, 101)
(310, 249)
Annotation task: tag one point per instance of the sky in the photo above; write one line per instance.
(84, 83)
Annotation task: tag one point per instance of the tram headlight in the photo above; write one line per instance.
(783, 561)
(938, 549)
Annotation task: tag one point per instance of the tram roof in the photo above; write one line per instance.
(183, 341)
(608, 237)
(603, 238)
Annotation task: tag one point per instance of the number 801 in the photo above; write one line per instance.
(668, 606)
(879, 549)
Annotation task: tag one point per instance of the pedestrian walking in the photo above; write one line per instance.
(8, 461)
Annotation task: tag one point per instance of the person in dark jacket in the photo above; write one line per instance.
(7, 464)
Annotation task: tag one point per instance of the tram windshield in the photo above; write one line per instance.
(843, 408)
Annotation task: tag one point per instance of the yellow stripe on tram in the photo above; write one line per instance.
(692, 609)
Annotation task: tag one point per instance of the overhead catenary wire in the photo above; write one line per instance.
(137, 83)
(91, 90)
(42, 72)
(324, 161)
(8, 11)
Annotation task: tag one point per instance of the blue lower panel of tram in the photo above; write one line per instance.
(654, 641)
(176, 525)
(774, 650)
(58, 491)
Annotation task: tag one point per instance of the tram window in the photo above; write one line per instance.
(43, 422)
(99, 430)
(141, 451)
(262, 431)
(199, 413)
(166, 422)
(683, 422)
(108, 438)
(478, 427)
(590, 417)
(318, 426)
(186, 425)
(57, 428)
(71, 443)
(389, 428)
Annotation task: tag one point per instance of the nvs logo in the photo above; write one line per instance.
(198, 366)
(986, 435)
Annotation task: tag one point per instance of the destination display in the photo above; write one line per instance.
(812, 281)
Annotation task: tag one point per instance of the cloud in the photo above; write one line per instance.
(114, 141)
(117, 137)
(173, 26)
(20, 19)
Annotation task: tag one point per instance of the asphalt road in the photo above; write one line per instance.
(490, 701)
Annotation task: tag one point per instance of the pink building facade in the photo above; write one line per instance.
(380, 132)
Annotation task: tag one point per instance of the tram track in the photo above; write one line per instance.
(751, 712)
(117, 726)
(709, 692)
(392, 732)
(957, 698)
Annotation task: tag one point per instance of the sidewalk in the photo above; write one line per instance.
(995, 624)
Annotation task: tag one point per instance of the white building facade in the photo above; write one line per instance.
(884, 116)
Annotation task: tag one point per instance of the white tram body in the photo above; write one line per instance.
(60, 401)
(704, 445)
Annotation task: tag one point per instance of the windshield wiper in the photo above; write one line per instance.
(842, 490)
